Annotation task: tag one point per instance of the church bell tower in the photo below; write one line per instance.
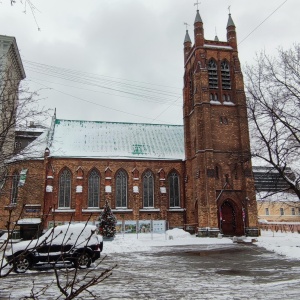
(220, 193)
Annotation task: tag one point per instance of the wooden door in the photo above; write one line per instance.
(228, 220)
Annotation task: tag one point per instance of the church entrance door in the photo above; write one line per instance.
(228, 219)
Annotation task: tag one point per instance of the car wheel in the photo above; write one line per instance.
(22, 264)
(83, 260)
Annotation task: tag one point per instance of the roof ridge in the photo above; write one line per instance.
(109, 122)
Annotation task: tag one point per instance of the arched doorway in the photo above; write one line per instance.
(228, 220)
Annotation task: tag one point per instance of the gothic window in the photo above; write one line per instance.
(225, 74)
(174, 193)
(14, 187)
(94, 189)
(213, 97)
(226, 98)
(148, 189)
(281, 211)
(64, 194)
(121, 189)
(212, 74)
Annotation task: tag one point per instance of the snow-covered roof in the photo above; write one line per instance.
(95, 139)
(277, 197)
(29, 221)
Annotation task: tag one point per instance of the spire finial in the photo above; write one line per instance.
(216, 35)
(197, 4)
(186, 25)
(229, 9)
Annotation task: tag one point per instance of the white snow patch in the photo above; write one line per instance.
(282, 243)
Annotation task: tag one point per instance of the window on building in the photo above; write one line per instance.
(94, 189)
(226, 98)
(281, 211)
(299, 211)
(293, 211)
(174, 193)
(212, 74)
(14, 187)
(64, 193)
(267, 211)
(225, 74)
(121, 189)
(148, 189)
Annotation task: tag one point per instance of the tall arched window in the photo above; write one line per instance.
(212, 74)
(14, 187)
(148, 189)
(225, 74)
(94, 189)
(121, 189)
(174, 192)
(64, 194)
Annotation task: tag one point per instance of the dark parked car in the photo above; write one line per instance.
(76, 243)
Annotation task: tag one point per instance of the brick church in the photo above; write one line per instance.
(198, 175)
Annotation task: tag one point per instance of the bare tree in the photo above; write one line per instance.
(27, 5)
(273, 98)
(18, 107)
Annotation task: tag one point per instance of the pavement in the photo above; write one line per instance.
(231, 272)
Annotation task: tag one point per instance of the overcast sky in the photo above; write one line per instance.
(122, 60)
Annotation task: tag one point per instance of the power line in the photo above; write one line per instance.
(36, 80)
(263, 21)
(94, 74)
(94, 103)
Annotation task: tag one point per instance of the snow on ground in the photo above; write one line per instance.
(283, 243)
(146, 241)
(287, 244)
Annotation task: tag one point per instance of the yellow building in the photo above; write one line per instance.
(280, 207)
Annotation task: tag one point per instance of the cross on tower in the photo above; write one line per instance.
(186, 25)
(197, 4)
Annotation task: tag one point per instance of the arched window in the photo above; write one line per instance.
(64, 193)
(225, 74)
(212, 74)
(94, 189)
(148, 189)
(14, 187)
(174, 192)
(121, 189)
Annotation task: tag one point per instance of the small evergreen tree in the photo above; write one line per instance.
(107, 222)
